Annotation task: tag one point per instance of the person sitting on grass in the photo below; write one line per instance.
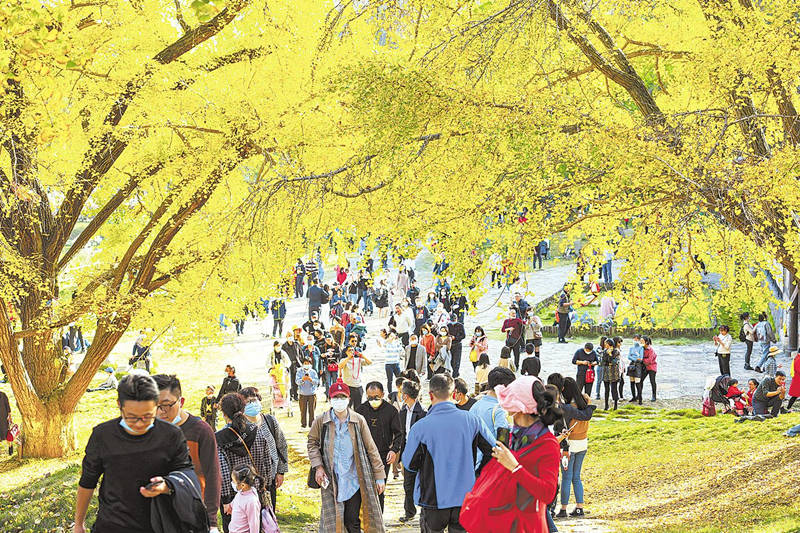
(109, 384)
(752, 385)
(769, 395)
(737, 402)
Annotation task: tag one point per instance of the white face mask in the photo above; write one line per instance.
(340, 404)
(234, 486)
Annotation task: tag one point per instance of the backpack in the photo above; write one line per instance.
(742, 336)
(709, 409)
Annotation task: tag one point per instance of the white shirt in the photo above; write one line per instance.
(409, 410)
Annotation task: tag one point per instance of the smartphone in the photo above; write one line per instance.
(325, 482)
(504, 436)
(150, 485)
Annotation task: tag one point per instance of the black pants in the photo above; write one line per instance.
(293, 389)
(724, 364)
(409, 478)
(611, 387)
(437, 520)
(385, 467)
(537, 257)
(772, 406)
(455, 357)
(517, 348)
(582, 385)
(355, 396)
(652, 375)
(748, 353)
(277, 327)
(298, 287)
(563, 326)
(621, 385)
(352, 508)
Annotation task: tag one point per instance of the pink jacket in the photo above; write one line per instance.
(649, 359)
(245, 513)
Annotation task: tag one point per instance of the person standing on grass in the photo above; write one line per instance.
(598, 370)
(394, 352)
(384, 426)
(347, 467)
(622, 366)
(584, 358)
(723, 343)
(749, 334)
(133, 454)
(441, 448)
(277, 448)
(307, 383)
(199, 437)
(577, 411)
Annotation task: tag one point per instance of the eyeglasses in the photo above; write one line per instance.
(164, 407)
(134, 419)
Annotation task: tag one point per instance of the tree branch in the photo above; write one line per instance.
(179, 17)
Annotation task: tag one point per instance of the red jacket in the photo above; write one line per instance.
(499, 498)
(794, 386)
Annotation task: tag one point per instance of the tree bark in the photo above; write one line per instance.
(47, 431)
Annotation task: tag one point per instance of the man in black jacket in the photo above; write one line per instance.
(384, 426)
(229, 384)
(292, 351)
(409, 414)
(456, 330)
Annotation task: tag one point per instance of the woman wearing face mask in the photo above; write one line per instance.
(347, 466)
(240, 443)
(532, 331)
(350, 373)
(442, 360)
(478, 345)
(524, 471)
(270, 430)
(307, 383)
(130, 453)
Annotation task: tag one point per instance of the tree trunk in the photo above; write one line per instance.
(47, 431)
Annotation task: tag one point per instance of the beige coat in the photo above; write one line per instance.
(368, 465)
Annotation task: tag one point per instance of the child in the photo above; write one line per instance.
(505, 359)
(482, 372)
(736, 398)
(208, 411)
(246, 506)
(771, 366)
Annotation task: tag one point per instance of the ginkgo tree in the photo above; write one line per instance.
(677, 116)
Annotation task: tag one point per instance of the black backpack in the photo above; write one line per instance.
(742, 336)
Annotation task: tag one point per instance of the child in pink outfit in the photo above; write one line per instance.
(245, 507)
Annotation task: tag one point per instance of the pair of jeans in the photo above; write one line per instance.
(368, 307)
(572, 477)
(277, 327)
(537, 257)
(764, 354)
(298, 287)
(605, 272)
(392, 371)
(439, 520)
(793, 431)
(356, 393)
(598, 379)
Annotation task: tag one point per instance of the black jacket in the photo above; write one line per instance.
(183, 511)
(416, 415)
(229, 384)
(315, 296)
(384, 426)
(456, 329)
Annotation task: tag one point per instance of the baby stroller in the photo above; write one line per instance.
(719, 392)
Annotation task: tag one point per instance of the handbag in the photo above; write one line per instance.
(589, 377)
(473, 355)
(709, 409)
(262, 491)
(269, 522)
(312, 471)
(13, 432)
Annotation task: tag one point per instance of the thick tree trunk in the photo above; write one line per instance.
(47, 431)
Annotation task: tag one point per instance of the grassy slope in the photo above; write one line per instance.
(677, 471)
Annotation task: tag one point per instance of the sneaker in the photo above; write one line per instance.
(784, 411)
(577, 512)
(653, 399)
(597, 397)
(758, 369)
(562, 514)
(748, 367)
(406, 518)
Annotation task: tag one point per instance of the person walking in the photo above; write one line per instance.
(416, 356)
(488, 408)
(765, 336)
(291, 348)
(440, 449)
(199, 438)
(522, 477)
(229, 384)
(442, 358)
(479, 344)
(299, 276)
(246, 505)
(347, 467)
(650, 360)
(384, 426)
(394, 352)
(133, 453)
(564, 304)
(350, 373)
(270, 430)
(307, 383)
(723, 342)
(278, 307)
(457, 334)
(411, 413)
(512, 327)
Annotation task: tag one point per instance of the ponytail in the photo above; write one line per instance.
(232, 406)
(546, 404)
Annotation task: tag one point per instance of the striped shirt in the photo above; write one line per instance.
(394, 352)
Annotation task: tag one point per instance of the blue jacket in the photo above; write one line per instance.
(442, 448)
(636, 352)
(307, 388)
